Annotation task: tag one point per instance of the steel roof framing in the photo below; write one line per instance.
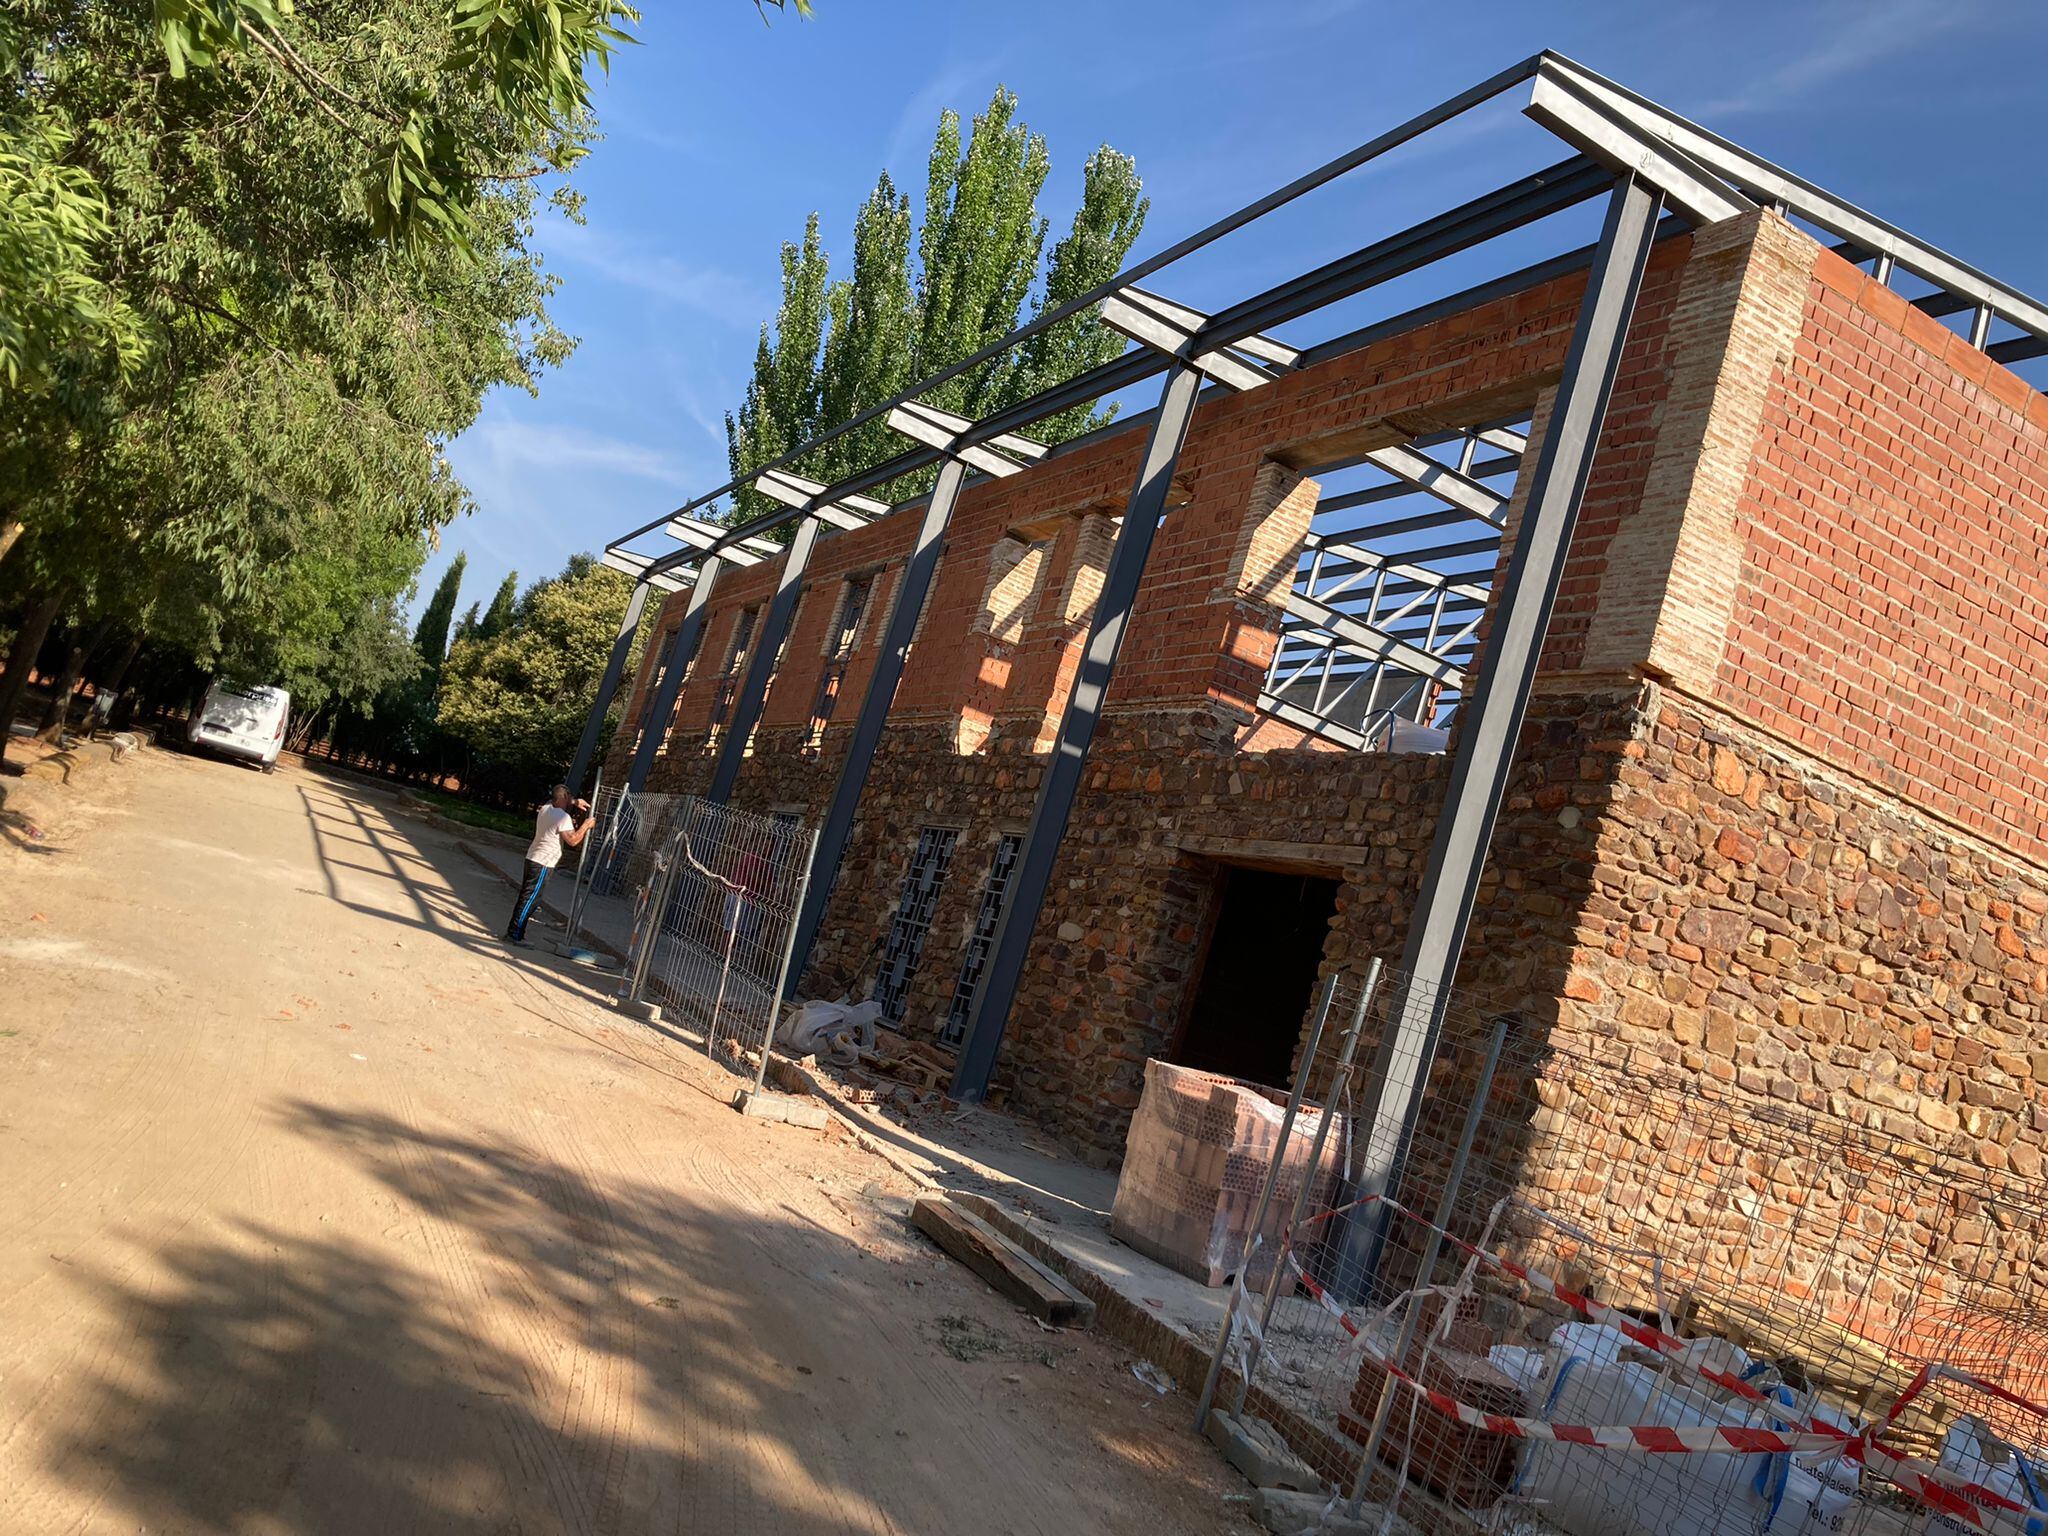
(1640, 158)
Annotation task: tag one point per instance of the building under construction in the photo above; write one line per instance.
(1650, 637)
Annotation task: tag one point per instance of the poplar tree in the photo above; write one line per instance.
(837, 347)
(431, 638)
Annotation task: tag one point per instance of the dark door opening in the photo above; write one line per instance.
(1260, 972)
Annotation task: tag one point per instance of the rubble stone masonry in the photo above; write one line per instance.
(1779, 812)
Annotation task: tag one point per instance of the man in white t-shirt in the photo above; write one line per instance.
(555, 828)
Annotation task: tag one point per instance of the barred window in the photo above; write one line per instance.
(980, 942)
(735, 664)
(926, 877)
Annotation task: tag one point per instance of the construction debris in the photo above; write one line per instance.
(1002, 1263)
(1255, 1448)
(809, 1113)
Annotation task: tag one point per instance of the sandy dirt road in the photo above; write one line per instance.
(322, 1214)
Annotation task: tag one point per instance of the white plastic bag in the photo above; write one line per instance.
(1970, 1451)
(837, 1031)
(1591, 1492)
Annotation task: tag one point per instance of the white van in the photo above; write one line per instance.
(247, 723)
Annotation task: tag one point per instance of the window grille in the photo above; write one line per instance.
(929, 861)
(735, 663)
(983, 939)
(853, 604)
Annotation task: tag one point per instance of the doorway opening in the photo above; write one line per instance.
(1265, 949)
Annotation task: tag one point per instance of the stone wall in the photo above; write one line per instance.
(1742, 838)
(1770, 922)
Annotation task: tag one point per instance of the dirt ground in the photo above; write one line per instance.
(324, 1214)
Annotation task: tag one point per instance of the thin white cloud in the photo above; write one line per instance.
(1851, 40)
(709, 290)
(962, 85)
(508, 445)
(706, 418)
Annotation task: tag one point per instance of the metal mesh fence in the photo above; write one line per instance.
(715, 922)
(1574, 1288)
(617, 859)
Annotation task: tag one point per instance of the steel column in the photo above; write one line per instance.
(837, 831)
(768, 638)
(661, 709)
(608, 685)
(1063, 769)
(1492, 721)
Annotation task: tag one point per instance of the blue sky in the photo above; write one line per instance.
(722, 134)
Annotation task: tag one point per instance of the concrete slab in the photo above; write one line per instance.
(1255, 1448)
(808, 1113)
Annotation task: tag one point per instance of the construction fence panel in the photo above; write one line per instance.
(616, 859)
(712, 949)
(1606, 1293)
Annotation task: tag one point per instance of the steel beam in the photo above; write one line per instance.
(640, 568)
(607, 686)
(1492, 718)
(809, 496)
(1767, 182)
(1350, 160)
(1368, 641)
(768, 637)
(1308, 720)
(1078, 721)
(908, 603)
(1171, 328)
(1421, 472)
(1496, 213)
(661, 709)
(702, 535)
(945, 431)
(1578, 117)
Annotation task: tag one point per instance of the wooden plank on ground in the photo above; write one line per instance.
(1001, 1263)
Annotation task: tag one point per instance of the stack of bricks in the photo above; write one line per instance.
(1197, 1158)
(1465, 1466)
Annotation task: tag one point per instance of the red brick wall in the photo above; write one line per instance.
(1893, 602)
(1197, 638)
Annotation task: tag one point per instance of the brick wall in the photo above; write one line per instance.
(1743, 832)
(1202, 623)
(1893, 604)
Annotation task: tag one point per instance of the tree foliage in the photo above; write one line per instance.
(837, 347)
(430, 639)
(504, 605)
(517, 698)
(257, 265)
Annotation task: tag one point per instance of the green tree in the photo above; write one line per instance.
(517, 698)
(302, 369)
(258, 262)
(504, 605)
(431, 638)
(838, 347)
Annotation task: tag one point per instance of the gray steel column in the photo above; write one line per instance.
(661, 709)
(1062, 780)
(608, 685)
(1492, 721)
(767, 642)
(874, 710)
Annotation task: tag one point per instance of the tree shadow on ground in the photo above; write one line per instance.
(449, 896)
(530, 1348)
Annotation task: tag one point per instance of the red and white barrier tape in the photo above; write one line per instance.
(1932, 1485)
